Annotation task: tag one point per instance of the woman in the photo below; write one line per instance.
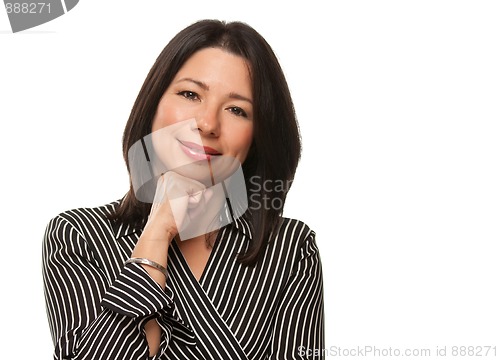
(124, 281)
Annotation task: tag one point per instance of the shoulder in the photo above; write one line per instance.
(85, 220)
(293, 238)
(293, 244)
(293, 231)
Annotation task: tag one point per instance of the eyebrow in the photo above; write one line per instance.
(197, 82)
(232, 95)
(236, 96)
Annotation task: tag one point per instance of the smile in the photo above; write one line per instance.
(198, 152)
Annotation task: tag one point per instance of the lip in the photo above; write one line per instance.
(198, 152)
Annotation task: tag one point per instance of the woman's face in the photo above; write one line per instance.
(206, 113)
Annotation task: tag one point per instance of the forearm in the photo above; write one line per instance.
(300, 317)
(156, 249)
(153, 244)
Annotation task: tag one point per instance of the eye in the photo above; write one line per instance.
(190, 95)
(237, 111)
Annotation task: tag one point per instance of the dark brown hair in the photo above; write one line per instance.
(275, 150)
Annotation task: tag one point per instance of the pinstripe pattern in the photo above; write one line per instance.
(97, 307)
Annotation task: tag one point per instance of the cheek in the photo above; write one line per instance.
(241, 142)
(168, 114)
(163, 117)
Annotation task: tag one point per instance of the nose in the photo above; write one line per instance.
(208, 123)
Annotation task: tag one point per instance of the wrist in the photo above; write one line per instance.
(158, 235)
(170, 236)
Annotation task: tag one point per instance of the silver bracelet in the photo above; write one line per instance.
(148, 262)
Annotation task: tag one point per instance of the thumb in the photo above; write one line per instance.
(198, 202)
(207, 194)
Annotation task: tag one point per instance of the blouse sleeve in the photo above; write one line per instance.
(90, 318)
(299, 325)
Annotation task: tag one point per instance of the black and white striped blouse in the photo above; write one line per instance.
(97, 307)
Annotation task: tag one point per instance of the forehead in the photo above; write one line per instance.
(216, 66)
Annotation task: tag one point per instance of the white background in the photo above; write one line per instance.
(398, 103)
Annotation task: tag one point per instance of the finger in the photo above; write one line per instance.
(179, 210)
(201, 205)
(179, 186)
(160, 191)
(195, 198)
(208, 193)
